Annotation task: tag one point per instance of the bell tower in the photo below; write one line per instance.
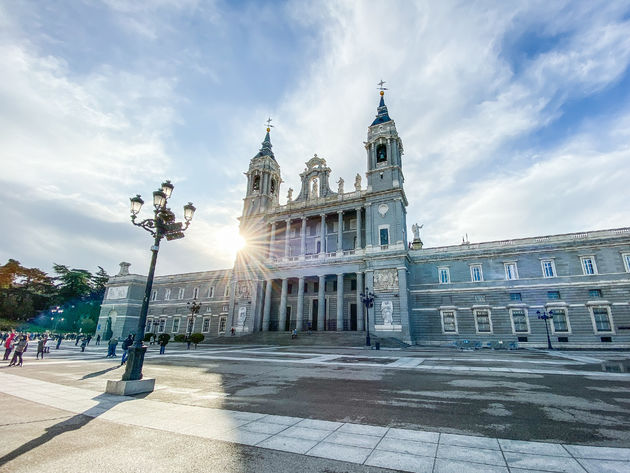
(263, 181)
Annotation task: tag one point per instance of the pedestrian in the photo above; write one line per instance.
(20, 348)
(125, 346)
(294, 334)
(310, 326)
(89, 338)
(84, 344)
(163, 341)
(188, 342)
(111, 347)
(8, 345)
(59, 338)
(233, 331)
(77, 342)
(40, 347)
(98, 339)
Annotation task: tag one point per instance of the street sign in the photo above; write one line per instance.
(174, 227)
(174, 236)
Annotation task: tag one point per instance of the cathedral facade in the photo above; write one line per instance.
(308, 263)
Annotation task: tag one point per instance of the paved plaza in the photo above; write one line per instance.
(257, 408)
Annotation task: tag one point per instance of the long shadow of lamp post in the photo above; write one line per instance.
(160, 226)
(368, 300)
(194, 308)
(546, 316)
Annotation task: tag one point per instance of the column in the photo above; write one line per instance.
(267, 308)
(287, 234)
(339, 302)
(359, 242)
(322, 248)
(360, 305)
(321, 303)
(282, 316)
(340, 232)
(368, 225)
(369, 286)
(404, 304)
(303, 237)
(300, 304)
(272, 238)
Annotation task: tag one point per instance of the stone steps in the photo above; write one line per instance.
(342, 339)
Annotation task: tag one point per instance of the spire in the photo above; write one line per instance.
(382, 115)
(265, 149)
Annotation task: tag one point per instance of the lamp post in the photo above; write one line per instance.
(194, 308)
(368, 300)
(546, 316)
(57, 311)
(160, 226)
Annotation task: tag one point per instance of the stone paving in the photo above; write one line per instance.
(393, 448)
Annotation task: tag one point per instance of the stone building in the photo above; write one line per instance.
(307, 262)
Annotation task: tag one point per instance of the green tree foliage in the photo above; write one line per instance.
(197, 338)
(23, 291)
(163, 338)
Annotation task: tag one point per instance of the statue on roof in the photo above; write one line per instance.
(314, 193)
(357, 182)
(290, 195)
(340, 182)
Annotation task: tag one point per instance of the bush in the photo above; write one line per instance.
(147, 337)
(197, 338)
(163, 338)
(180, 337)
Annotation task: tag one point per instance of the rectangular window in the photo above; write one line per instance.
(162, 325)
(226, 292)
(476, 274)
(180, 293)
(588, 265)
(206, 325)
(334, 286)
(601, 316)
(511, 271)
(449, 321)
(483, 321)
(225, 308)
(384, 236)
(222, 324)
(211, 291)
(167, 294)
(353, 224)
(154, 295)
(549, 268)
(176, 324)
(519, 321)
(208, 309)
(305, 287)
(353, 284)
(515, 296)
(595, 293)
(479, 298)
(560, 320)
(553, 295)
(626, 261)
(444, 276)
(149, 325)
(315, 287)
(195, 292)
(289, 288)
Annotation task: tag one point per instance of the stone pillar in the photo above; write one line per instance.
(282, 316)
(272, 238)
(321, 304)
(359, 242)
(339, 302)
(368, 225)
(323, 234)
(369, 287)
(303, 237)
(360, 316)
(340, 232)
(300, 304)
(404, 304)
(267, 308)
(287, 234)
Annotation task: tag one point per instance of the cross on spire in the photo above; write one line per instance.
(381, 84)
(269, 125)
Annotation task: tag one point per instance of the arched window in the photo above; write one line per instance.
(381, 154)
(256, 184)
(273, 186)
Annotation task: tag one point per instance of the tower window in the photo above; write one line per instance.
(273, 186)
(381, 154)
(256, 184)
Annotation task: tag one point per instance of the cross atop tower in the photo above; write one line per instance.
(380, 86)
(269, 125)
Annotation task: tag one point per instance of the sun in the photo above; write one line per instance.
(231, 242)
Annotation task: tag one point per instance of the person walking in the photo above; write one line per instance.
(125, 346)
(20, 348)
(8, 345)
(84, 344)
(163, 340)
(89, 339)
(111, 347)
(59, 338)
(41, 344)
(98, 339)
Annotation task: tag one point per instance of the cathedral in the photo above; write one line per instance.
(310, 263)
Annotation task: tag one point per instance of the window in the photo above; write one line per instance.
(289, 288)
(167, 294)
(176, 324)
(479, 298)
(549, 268)
(162, 325)
(315, 287)
(226, 292)
(180, 293)
(449, 321)
(483, 323)
(511, 271)
(154, 295)
(352, 224)
(206, 325)
(384, 235)
(353, 284)
(595, 293)
(444, 276)
(515, 296)
(273, 186)
(476, 274)
(381, 154)
(601, 319)
(554, 295)
(225, 308)
(588, 265)
(211, 291)
(305, 287)
(520, 324)
(560, 321)
(256, 184)
(149, 323)
(626, 261)
(195, 292)
(222, 324)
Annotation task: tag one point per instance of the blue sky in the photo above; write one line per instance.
(515, 116)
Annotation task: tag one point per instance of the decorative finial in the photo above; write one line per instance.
(269, 125)
(381, 88)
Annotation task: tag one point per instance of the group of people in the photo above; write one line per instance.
(16, 343)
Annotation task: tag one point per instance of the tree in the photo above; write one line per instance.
(23, 291)
(197, 338)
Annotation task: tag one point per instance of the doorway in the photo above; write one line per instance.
(314, 314)
(287, 324)
(353, 317)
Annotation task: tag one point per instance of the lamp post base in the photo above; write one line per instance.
(133, 368)
(127, 388)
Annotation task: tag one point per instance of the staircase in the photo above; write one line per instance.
(329, 339)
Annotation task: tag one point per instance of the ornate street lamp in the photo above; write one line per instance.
(194, 308)
(544, 316)
(368, 300)
(162, 225)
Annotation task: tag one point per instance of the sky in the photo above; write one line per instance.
(514, 116)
